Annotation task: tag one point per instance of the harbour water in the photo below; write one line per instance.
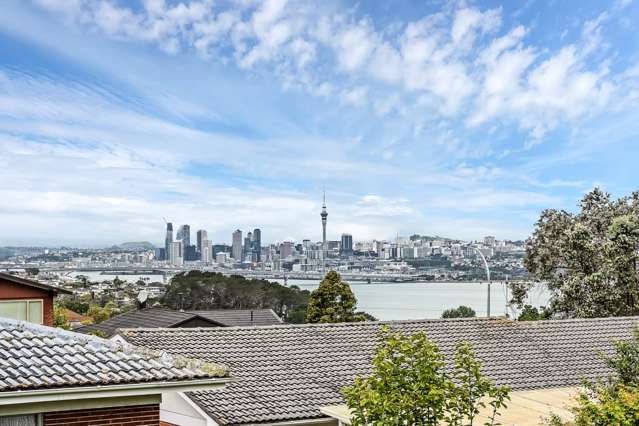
(398, 301)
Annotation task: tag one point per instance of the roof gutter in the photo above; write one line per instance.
(108, 391)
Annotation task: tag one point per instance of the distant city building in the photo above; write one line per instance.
(489, 241)
(176, 254)
(206, 253)
(201, 236)
(221, 258)
(248, 249)
(184, 235)
(286, 249)
(346, 247)
(168, 240)
(236, 252)
(257, 245)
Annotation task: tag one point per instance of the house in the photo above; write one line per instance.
(293, 374)
(54, 377)
(27, 300)
(75, 319)
(169, 318)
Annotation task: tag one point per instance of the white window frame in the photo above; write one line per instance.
(28, 301)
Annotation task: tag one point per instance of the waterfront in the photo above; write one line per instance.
(399, 301)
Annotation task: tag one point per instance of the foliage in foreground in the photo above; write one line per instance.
(589, 260)
(459, 312)
(615, 401)
(411, 385)
(333, 301)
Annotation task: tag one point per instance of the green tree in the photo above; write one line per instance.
(332, 301)
(531, 313)
(460, 312)
(616, 400)
(588, 260)
(410, 384)
(211, 290)
(60, 320)
(99, 314)
(32, 271)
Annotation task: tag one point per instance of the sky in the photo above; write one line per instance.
(460, 119)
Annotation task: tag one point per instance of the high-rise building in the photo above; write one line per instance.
(236, 251)
(201, 236)
(206, 253)
(257, 245)
(286, 249)
(176, 254)
(346, 247)
(168, 240)
(248, 249)
(184, 235)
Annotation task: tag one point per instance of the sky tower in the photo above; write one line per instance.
(324, 215)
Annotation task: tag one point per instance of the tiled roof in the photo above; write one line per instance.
(32, 283)
(34, 357)
(288, 372)
(150, 317)
(169, 318)
(241, 317)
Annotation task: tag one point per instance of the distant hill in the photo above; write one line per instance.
(136, 245)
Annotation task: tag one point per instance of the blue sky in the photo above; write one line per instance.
(460, 119)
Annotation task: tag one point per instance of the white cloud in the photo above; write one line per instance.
(454, 62)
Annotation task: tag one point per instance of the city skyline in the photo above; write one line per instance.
(460, 119)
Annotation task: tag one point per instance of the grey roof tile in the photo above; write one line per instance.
(287, 372)
(38, 357)
(169, 318)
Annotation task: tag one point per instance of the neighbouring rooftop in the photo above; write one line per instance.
(288, 372)
(35, 357)
(170, 318)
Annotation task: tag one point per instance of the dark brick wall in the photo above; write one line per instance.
(13, 291)
(137, 415)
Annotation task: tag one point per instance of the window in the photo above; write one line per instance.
(23, 310)
(26, 420)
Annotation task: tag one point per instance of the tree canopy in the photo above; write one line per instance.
(459, 312)
(410, 384)
(211, 290)
(616, 400)
(588, 260)
(333, 301)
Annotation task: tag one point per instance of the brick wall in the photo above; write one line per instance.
(13, 291)
(138, 415)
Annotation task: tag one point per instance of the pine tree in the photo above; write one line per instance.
(333, 301)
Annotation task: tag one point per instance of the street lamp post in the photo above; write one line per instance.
(487, 277)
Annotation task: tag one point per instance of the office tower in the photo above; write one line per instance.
(247, 246)
(168, 240)
(346, 247)
(202, 235)
(257, 245)
(206, 253)
(286, 249)
(236, 251)
(184, 235)
(176, 254)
